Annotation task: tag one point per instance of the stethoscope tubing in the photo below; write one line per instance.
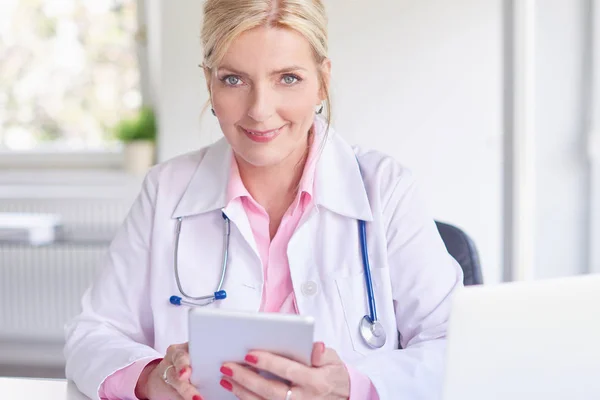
(362, 229)
(219, 294)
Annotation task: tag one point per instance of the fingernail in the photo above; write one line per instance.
(227, 371)
(196, 397)
(183, 371)
(226, 385)
(251, 359)
(322, 347)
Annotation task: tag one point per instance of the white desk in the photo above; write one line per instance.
(33, 389)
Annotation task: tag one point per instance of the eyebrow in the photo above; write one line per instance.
(291, 68)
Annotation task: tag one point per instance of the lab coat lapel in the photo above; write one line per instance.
(207, 189)
(339, 184)
(206, 193)
(339, 188)
(236, 213)
(245, 265)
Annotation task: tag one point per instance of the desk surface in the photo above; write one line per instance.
(24, 388)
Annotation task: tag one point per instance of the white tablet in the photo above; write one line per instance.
(218, 336)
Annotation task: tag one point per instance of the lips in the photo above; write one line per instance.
(262, 133)
(262, 136)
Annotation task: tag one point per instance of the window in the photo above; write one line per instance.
(68, 73)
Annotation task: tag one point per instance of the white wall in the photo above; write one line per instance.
(562, 187)
(420, 80)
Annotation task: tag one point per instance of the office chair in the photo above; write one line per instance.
(461, 247)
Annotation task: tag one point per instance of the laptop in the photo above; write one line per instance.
(525, 340)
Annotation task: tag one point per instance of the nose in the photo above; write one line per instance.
(262, 104)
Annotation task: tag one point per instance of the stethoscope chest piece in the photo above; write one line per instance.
(372, 332)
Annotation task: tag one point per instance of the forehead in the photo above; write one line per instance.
(265, 48)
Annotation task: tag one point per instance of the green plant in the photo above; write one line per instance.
(141, 127)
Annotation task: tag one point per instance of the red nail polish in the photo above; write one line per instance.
(226, 385)
(196, 397)
(251, 359)
(183, 371)
(226, 371)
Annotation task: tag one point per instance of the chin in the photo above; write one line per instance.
(261, 159)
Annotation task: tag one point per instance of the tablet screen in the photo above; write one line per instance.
(219, 336)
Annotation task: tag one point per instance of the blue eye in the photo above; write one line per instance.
(290, 79)
(232, 80)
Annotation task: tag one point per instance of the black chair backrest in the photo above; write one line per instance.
(461, 247)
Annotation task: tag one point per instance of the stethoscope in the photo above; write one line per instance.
(370, 328)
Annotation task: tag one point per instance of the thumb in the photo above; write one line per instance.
(322, 355)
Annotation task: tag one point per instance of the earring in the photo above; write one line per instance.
(212, 110)
(320, 110)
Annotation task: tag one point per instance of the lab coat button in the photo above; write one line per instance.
(309, 288)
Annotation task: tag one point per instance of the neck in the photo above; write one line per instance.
(275, 187)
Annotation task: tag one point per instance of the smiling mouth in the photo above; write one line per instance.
(269, 133)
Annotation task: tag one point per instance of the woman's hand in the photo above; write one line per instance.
(152, 386)
(327, 378)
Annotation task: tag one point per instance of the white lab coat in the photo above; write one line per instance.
(127, 316)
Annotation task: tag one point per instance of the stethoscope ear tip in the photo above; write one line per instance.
(220, 295)
(175, 300)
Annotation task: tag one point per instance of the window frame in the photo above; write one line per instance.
(594, 140)
(108, 159)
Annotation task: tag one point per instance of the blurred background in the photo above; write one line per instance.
(495, 105)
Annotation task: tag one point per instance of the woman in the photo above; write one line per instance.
(293, 191)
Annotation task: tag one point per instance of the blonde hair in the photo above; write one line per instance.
(225, 20)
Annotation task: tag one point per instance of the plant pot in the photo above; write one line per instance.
(139, 156)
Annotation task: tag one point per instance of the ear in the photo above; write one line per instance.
(325, 68)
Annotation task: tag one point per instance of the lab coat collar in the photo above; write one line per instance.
(338, 183)
(207, 188)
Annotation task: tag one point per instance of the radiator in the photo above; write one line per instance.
(41, 287)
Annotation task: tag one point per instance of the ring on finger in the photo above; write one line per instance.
(166, 371)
